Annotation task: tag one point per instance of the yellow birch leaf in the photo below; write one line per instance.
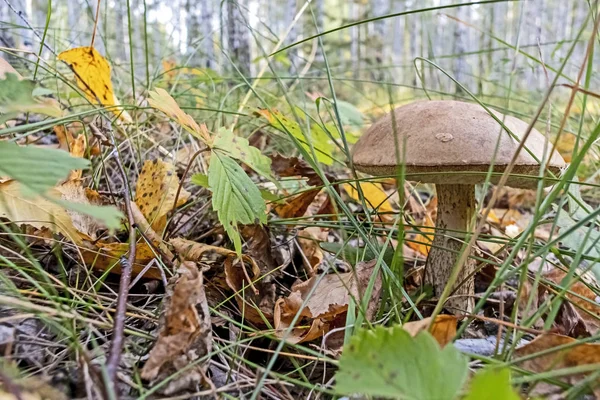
(92, 72)
(375, 197)
(155, 192)
(36, 211)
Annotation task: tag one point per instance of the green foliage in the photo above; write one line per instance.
(239, 148)
(19, 96)
(200, 180)
(491, 384)
(317, 136)
(350, 115)
(236, 199)
(356, 254)
(584, 237)
(388, 362)
(36, 168)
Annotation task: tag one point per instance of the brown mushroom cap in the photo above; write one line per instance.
(445, 137)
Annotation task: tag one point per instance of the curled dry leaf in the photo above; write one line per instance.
(325, 307)
(294, 166)
(443, 328)
(574, 356)
(155, 192)
(73, 191)
(185, 333)
(308, 239)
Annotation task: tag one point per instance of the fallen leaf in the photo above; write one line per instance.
(162, 100)
(155, 192)
(73, 191)
(106, 257)
(309, 239)
(35, 211)
(329, 300)
(443, 328)
(575, 356)
(92, 72)
(297, 205)
(421, 242)
(294, 166)
(185, 333)
(19, 95)
(375, 197)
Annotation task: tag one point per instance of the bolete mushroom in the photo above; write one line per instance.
(451, 144)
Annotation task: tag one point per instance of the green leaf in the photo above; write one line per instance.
(388, 362)
(236, 199)
(109, 216)
(586, 237)
(492, 384)
(239, 148)
(17, 96)
(350, 115)
(356, 254)
(200, 180)
(36, 168)
(318, 137)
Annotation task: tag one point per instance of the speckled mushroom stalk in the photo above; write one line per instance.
(456, 206)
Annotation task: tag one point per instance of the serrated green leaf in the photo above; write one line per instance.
(350, 115)
(389, 362)
(239, 148)
(17, 96)
(492, 384)
(37, 168)
(586, 237)
(236, 199)
(200, 180)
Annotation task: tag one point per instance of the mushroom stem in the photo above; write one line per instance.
(456, 205)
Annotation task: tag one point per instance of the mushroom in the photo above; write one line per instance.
(452, 145)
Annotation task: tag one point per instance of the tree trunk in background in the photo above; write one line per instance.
(237, 35)
(192, 25)
(413, 31)
(292, 53)
(121, 37)
(354, 41)
(320, 22)
(206, 19)
(6, 32)
(459, 48)
(379, 42)
(398, 42)
(73, 14)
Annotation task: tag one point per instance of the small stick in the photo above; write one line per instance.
(95, 24)
(116, 345)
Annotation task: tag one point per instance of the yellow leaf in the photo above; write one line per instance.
(106, 256)
(35, 211)
(93, 77)
(163, 101)
(155, 192)
(374, 195)
(421, 242)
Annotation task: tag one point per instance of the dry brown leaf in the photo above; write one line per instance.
(155, 192)
(296, 206)
(324, 307)
(105, 256)
(294, 166)
(36, 211)
(185, 333)
(308, 239)
(443, 328)
(583, 298)
(578, 355)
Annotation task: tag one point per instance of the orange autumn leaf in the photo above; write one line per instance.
(443, 328)
(92, 72)
(421, 242)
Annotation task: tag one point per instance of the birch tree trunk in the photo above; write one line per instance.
(237, 35)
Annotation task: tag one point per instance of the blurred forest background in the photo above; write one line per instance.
(476, 44)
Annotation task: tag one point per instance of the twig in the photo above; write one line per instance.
(126, 265)
(95, 24)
